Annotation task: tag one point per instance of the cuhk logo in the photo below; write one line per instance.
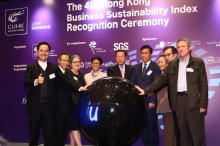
(34, 51)
(16, 21)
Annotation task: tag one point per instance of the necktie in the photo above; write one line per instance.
(122, 72)
(144, 69)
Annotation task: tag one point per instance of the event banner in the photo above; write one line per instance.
(99, 28)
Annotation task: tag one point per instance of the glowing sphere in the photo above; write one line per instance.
(111, 112)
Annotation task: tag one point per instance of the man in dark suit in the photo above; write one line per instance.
(63, 102)
(121, 69)
(40, 78)
(143, 75)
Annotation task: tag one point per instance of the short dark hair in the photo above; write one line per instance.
(63, 53)
(98, 58)
(121, 51)
(174, 50)
(147, 47)
(43, 43)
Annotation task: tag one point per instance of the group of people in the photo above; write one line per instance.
(177, 88)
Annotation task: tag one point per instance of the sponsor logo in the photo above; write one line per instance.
(92, 45)
(16, 21)
(162, 44)
(216, 43)
(149, 39)
(88, 64)
(121, 46)
(210, 60)
(195, 42)
(82, 64)
(39, 26)
(107, 64)
(75, 43)
(34, 52)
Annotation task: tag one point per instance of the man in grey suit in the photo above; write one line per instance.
(121, 69)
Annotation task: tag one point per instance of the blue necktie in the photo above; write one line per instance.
(144, 69)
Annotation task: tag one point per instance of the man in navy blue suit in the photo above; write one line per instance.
(143, 75)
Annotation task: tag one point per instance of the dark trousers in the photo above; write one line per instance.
(177, 129)
(60, 129)
(149, 135)
(169, 131)
(191, 123)
(41, 116)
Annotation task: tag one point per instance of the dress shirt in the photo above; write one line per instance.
(182, 83)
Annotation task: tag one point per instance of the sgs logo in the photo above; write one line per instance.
(121, 46)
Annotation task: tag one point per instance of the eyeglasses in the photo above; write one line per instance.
(95, 63)
(75, 62)
(168, 54)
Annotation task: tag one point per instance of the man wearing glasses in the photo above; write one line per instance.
(170, 53)
(171, 128)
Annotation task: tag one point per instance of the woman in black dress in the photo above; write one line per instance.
(75, 65)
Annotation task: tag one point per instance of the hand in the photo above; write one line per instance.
(85, 87)
(40, 79)
(151, 105)
(202, 110)
(140, 90)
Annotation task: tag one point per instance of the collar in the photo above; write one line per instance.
(95, 74)
(121, 65)
(42, 63)
(143, 63)
(62, 69)
(187, 60)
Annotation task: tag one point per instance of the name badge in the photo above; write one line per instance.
(75, 78)
(149, 72)
(189, 70)
(52, 76)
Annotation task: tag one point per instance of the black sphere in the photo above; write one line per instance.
(111, 112)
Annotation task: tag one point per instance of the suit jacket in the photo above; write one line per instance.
(80, 79)
(152, 73)
(32, 72)
(115, 71)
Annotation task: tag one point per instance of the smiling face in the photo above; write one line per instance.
(169, 55)
(120, 58)
(96, 65)
(75, 64)
(43, 53)
(183, 49)
(162, 64)
(64, 61)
